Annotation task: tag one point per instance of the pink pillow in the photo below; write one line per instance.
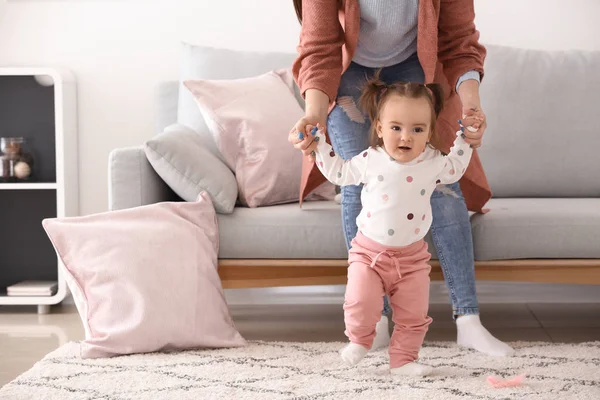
(145, 279)
(250, 120)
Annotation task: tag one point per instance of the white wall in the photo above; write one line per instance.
(540, 24)
(120, 49)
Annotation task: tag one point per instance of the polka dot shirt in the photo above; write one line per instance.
(395, 196)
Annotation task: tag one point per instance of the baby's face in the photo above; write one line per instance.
(405, 127)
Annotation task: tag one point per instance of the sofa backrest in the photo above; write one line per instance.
(542, 137)
(541, 106)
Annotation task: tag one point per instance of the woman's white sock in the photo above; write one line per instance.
(353, 353)
(382, 334)
(412, 369)
(472, 335)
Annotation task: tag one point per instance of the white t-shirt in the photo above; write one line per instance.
(396, 196)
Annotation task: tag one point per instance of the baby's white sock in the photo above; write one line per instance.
(472, 335)
(412, 369)
(382, 334)
(353, 353)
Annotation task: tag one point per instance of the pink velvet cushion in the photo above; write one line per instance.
(145, 279)
(250, 120)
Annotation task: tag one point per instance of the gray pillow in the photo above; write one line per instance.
(181, 159)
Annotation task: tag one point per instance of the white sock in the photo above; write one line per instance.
(472, 335)
(382, 334)
(353, 353)
(412, 369)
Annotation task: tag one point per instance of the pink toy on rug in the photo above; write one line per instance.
(504, 383)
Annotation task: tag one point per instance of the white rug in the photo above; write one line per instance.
(305, 371)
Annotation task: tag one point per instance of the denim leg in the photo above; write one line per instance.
(348, 131)
(451, 234)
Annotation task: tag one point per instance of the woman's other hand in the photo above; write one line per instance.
(474, 121)
(473, 117)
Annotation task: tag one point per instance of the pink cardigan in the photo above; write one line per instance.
(447, 47)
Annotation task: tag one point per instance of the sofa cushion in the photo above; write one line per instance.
(200, 62)
(285, 231)
(180, 158)
(537, 228)
(542, 134)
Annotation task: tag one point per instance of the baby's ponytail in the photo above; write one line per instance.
(437, 96)
(372, 93)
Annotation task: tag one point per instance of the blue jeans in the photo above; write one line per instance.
(450, 229)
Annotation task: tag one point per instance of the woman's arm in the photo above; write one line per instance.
(319, 62)
(459, 49)
(461, 53)
(318, 68)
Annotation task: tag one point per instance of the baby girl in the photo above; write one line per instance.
(389, 256)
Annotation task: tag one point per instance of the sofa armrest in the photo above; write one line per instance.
(132, 182)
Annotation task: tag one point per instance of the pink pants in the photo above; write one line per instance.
(403, 274)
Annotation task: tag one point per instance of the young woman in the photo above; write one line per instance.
(342, 44)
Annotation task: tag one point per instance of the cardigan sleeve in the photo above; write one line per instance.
(459, 49)
(319, 61)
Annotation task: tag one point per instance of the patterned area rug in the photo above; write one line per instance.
(275, 370)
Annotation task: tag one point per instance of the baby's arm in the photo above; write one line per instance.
(455, 164)
(337, 170)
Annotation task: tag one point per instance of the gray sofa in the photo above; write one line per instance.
(539, 153)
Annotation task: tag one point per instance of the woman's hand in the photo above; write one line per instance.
(302, 135)
(474, 120)
(473, 117)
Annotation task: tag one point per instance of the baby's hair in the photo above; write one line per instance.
(376, 93)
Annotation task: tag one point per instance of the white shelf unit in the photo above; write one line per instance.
(43, 109)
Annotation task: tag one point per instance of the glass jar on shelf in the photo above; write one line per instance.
(16, 165)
